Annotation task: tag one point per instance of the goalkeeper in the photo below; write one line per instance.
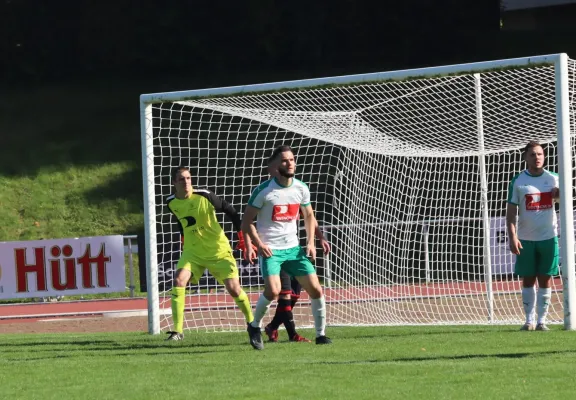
(290, 290)
(205, 245)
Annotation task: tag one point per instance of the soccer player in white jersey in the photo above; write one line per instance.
(290, 290)
(534, 240)
(277, 204)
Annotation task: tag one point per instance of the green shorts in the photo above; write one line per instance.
(537, 258)
(293, 261)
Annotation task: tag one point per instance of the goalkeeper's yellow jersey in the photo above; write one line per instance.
(197, 222)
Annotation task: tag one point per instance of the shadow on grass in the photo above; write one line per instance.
(90, 350)
(126, 188)
(395, 332)
(102, 354)
(64, 343)
(451, 358)
(110, 346)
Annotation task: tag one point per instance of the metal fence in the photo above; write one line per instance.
(130, 248)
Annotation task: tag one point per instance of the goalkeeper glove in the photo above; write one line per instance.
(241, 245)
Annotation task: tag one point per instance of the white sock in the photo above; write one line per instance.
(544, 296)
(529, 301)
(262, 307)
(319, 314)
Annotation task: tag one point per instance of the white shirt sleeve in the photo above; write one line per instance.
(257, 198)
(305, 196)
(513, 196)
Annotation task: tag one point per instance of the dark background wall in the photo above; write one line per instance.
(47, 40)
(71, 69)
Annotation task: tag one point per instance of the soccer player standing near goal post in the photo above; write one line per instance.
(290, 290)
(277, 204)
(205, 245)
(534, 239)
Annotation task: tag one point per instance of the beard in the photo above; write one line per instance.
(284, 172)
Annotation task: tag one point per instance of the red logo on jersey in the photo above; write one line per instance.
(285, 213)
(538, 201)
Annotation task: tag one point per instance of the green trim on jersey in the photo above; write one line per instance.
(303, 184)
(534, 176)
(307, 188)
(511, 188)
(257, 191)
(281, 185)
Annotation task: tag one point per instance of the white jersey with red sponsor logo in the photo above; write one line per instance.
(533, 196)
(279, 212)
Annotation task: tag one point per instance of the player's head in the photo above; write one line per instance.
(534, 155)
(282, 160)
(182, 179)
(271, 168)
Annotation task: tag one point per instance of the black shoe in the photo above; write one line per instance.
(175, 336)
(323, 340)
(255, 337)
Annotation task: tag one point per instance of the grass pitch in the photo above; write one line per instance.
(440, 362)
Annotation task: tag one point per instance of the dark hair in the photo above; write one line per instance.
(277, 151)
(177, 170)
(531, 144)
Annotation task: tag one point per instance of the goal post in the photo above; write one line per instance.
(408, 172)
(566, 128)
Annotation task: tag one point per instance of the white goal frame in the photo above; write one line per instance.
(560, 63)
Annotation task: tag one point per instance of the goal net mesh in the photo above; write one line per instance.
(394, 173)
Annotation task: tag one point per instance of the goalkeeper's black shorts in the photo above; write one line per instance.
(289, 285)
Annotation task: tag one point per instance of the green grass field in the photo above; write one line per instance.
(71, 166)
(363, 363)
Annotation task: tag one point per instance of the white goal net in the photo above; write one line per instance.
(408, 173)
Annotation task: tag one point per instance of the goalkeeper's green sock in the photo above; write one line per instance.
(178, 299)
(243, 303)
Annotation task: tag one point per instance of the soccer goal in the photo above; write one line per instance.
(408, 171)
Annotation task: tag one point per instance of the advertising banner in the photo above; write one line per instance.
(62, 267)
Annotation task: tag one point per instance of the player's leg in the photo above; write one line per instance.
(296, 289)
(185, 270)
(271, 273)
(547, 257)
(270, 268)
(300, 267)
(283, 314)
(282, 308)
(225, 271)
(525, 267)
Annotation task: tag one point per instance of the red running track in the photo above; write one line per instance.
(11, 312)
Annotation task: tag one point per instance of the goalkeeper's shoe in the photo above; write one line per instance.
(255, 337)
(542, 327)
(527, 327)
(298, 338)
(323, 340)
(175, 336)
(271, 333)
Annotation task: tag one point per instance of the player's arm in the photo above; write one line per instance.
(174, 218)
(556, 190)
(320, 236)
(310, 224)
(221, 205)
(511, 213)
(249, 230)
(247, 225)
